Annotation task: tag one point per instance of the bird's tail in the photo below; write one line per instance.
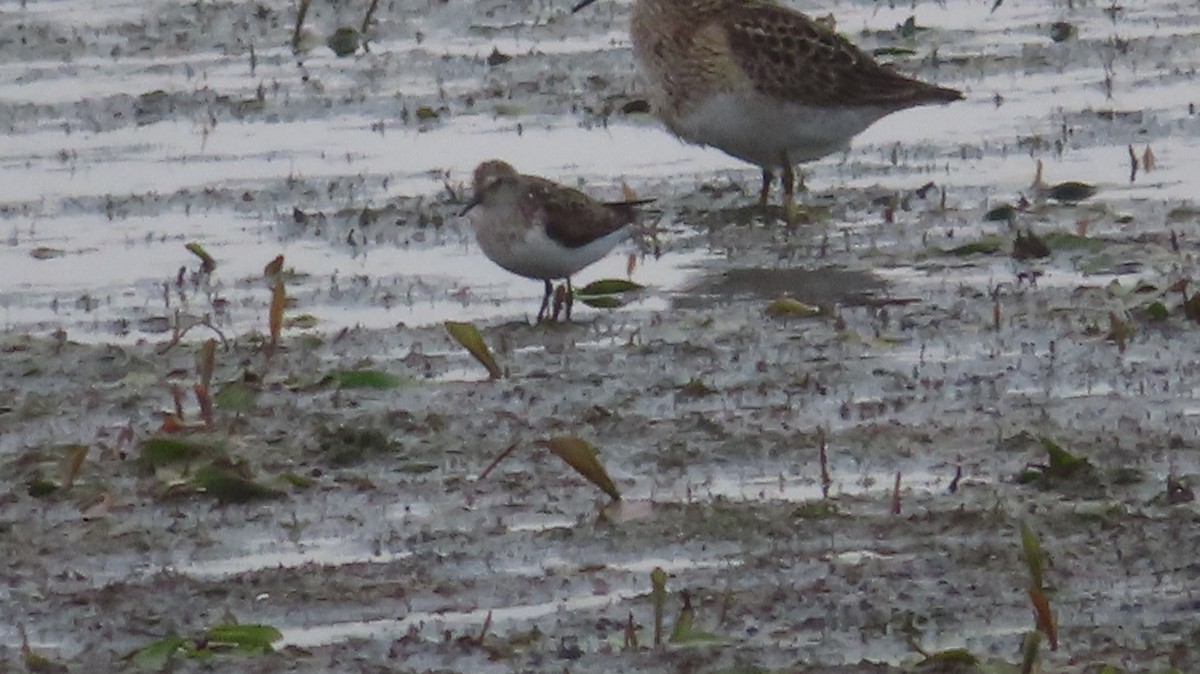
(627, 209)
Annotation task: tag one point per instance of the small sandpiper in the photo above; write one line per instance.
(541, 230)
(762, 82)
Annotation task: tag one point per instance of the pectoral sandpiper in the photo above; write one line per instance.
(762, 82)
(541, 230)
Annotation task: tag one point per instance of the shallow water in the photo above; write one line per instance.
(192, 144)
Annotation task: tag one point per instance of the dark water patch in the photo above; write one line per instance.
(819, 287)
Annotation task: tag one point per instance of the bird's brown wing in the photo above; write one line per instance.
(789, 57)
(571, 217)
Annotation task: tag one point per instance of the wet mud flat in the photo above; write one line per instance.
(962, 330)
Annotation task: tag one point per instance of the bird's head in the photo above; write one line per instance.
(487, 175)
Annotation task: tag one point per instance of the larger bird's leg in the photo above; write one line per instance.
(789, 189)
(570, 298)
(765, 193)
(560, 299)
(545, 301)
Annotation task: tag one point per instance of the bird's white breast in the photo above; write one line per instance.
(759, 129)
(533, 254)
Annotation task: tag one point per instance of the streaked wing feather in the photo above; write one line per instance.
(788, 56)
(571, 217)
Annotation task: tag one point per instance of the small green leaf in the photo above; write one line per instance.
(602, 302)
(1157, 311)
(608, 287)
(1030, 645)
(207, 263)
(695, 636)
(988, 246)
(1001, 213)
(468, 336)
(508, 110)
(344, 41)
(236, 397)
(785, 307)
(581, 456)
(658, 595)
(247, 638)
(1071, 191)
(1034, 559)
(227, 484)
(163, 451)
(374, 379)
(301, 322)
(40, 487)
(1062, 462)
(893, 51)
(685, 631)
(346, 445)
(1063, 241)
(297, 480)
(683, 623)
(1029, 476)
(155, 655)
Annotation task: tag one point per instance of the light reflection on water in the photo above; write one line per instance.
(121, 263)
(502, 617)
(275, 555)
(131, 275)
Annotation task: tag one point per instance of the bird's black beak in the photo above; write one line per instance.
(581, 5)
(475, 200)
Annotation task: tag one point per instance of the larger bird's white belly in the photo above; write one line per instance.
(535, 255)
(759, 129)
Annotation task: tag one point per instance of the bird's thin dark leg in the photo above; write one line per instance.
(789, 183)
(545, 301)
(570, 298)
(765, 193)
(560, 292)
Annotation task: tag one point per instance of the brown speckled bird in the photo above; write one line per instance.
(762, 82)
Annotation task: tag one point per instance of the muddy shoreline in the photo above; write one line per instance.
(941, 346)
